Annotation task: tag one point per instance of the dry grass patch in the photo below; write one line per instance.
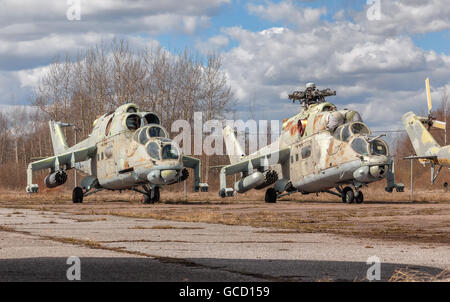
(410, 275)
(163, 227)
(90, 220)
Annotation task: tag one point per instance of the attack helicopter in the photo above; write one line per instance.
(428, 151)
(128, 149)
(320, 149)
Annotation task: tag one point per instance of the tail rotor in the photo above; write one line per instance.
(431, 121)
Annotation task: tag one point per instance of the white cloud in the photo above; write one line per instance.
(33, 33)
(34, 30)
(391, 55)
(288, 12)
(373, 69)
(408, 16)
(215, 43)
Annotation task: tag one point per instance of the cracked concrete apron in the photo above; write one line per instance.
(35, 245)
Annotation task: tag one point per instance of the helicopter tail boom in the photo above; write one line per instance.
(58, 139)
(421, 139)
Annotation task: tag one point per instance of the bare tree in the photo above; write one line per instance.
(216, 94)
(78, 89)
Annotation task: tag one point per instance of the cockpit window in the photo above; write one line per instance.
(153, 150)
(155, 131)
(143, 137)
(131, 109)
(328, 108)
(360, 128)
(337, 132)
(136, 135)
(378, 147)
(133, 122)
(108, 126)
(345, 134)
(169, 151)
(360, 146)
(151, 118)
(144, 134)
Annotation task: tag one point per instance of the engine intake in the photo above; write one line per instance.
(270, 177)
(55, 179)
(253, 180)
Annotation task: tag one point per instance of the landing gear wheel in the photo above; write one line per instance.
(77, 195)
(146, 199)
(359, 198)
(271, 195)
(348, 196)
(155, 195)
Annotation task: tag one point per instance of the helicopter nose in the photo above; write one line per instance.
(367, 174)
(378, 171)
(154, 176)
(169, 175)
(162, 176)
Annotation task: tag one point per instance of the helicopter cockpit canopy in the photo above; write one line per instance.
(144, 134)
(375, 147)
(344, 132)
(162, 149)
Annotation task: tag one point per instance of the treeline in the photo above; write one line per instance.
(80, 88)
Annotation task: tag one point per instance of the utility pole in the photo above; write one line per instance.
(445, 97)
(444, 104)
(412, 179)
(75, 170)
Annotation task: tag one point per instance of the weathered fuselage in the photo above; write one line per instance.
(328, 148)
(132, 149)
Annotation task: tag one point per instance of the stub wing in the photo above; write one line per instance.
(260, 161)
(67, 159)
(194, 163)
(250, 164)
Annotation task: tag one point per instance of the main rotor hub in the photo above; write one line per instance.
(310, 86)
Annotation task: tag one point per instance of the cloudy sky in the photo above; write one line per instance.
(376, 59)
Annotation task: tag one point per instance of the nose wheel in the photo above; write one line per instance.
(151, 196)
(359, 197)
(271, 195)
(77, 195)
(350, 196)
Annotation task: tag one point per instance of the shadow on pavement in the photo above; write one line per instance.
(199, 269)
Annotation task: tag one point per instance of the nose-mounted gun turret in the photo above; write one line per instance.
(311, 95)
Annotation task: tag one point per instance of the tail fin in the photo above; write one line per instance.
(58, 139)
(234, 149)
(423, 142)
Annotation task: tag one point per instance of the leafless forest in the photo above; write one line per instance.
(78, 89)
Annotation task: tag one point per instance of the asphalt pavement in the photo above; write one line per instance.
(36, 245)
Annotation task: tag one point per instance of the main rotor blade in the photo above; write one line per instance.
(427, 85)
(439, 124)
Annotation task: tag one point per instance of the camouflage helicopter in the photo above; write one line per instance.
(127, 149)
(319, 149)
(427, 149)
